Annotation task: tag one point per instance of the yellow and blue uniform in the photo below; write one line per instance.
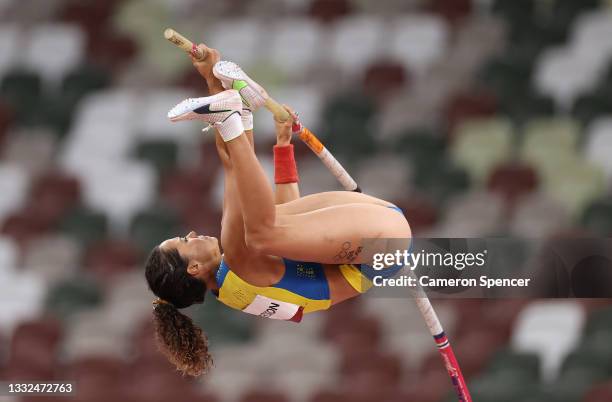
(302, 289)
(303, 285)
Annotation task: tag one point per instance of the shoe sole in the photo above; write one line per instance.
(186, 109)
(240, 80)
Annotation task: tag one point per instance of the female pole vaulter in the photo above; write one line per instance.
(283, 255)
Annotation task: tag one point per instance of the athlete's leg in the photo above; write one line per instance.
(318, 235)
(232, 224)
(254, 190)
(232, 227)
(312, 202)
(334, 235)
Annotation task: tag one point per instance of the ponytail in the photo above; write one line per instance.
(181, 341)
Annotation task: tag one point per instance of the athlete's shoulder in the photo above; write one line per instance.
(260, 271)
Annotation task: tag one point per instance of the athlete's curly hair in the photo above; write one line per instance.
(179, 339)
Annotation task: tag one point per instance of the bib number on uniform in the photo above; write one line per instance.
(277, 310)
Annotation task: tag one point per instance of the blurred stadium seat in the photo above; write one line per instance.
(538, 322)
(538, 216)
(241, 38)
(297, 59)
(418, 41)
(20, 145)
(61, 39)
(357, 41)
(53, 257)
(480, 145)
(8, 46)
(598, 143)
(513, 181)
(328, 11)
(564, 75)
(14, 182)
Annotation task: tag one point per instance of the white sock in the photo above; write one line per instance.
(247, 118)
(231, 128)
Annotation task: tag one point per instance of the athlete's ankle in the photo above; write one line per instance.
(247, 118)
(231, 127)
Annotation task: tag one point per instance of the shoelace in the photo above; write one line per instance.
(207, 128)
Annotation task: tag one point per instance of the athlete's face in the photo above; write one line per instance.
(201, 252)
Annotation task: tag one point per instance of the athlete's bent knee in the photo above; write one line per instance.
(258, 242)
(403, 229)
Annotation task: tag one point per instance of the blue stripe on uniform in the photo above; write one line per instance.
(306, 279)
(222, 273)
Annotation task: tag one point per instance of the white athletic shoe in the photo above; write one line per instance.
(211, 109)
(221, 110)
(232, 77)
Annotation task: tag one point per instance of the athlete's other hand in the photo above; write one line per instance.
(283, 129)
(205, 67)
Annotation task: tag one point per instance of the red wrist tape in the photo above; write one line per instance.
(285, 169)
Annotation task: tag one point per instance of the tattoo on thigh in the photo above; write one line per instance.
(347, 253)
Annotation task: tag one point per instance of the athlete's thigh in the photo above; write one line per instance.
(327, 199)
(334, 235)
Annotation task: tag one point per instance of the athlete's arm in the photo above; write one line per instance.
(287, 188)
